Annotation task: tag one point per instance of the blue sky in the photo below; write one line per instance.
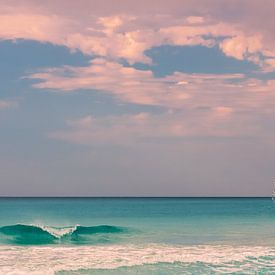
(119, 104)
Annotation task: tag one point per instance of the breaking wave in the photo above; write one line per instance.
(21, 234)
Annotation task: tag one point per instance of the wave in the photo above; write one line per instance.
(39, 234)
(137, 259)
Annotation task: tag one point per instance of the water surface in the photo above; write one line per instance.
(137, 235)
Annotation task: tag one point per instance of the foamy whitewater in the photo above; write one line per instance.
(137, 236)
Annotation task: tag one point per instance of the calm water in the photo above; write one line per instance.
(137, 236)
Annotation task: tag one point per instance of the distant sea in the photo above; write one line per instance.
(137, 236)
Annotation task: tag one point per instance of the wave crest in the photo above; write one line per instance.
(40, 234)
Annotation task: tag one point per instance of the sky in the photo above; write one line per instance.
(137, 98)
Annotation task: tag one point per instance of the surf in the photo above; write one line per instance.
(137, 259)
(23, 234)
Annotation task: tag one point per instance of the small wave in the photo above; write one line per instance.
(40, 234)
(25, 234)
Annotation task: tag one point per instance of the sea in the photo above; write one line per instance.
(137, 236)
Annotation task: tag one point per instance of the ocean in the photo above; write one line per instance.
(137, 236)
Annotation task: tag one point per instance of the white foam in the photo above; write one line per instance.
(58, 232)
(48, 260)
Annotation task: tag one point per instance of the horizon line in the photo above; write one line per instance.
(121, 197)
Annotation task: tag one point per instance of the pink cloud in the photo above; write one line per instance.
(43, 28)
(123, 32)
(7, 104)
(126, 83)
(144, 127)
(196, 104)
(179, 90)
(141, 87)
(242, 47)
(129, 28)
(223, 111)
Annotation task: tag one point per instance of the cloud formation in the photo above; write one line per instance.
(112, 36)
(219, 122)
(179, 90)
(127, 31)
(224, 105)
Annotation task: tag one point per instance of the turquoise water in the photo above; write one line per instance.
(137, 235)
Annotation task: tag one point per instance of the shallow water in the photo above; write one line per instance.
(137, 236)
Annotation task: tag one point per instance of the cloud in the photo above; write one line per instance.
(127, 31)
(43, 28)
(112, 35)
(126, 83)
(223, 111)
(124, 130)
(195, 19)
(176, 91)
(241, 47)
(220, 105)
(7, 104)
(141, 87)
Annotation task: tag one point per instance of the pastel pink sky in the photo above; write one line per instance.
(129, 28)
(126, 30)
(115, 37)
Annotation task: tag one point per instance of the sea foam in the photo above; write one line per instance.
(51, 260)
